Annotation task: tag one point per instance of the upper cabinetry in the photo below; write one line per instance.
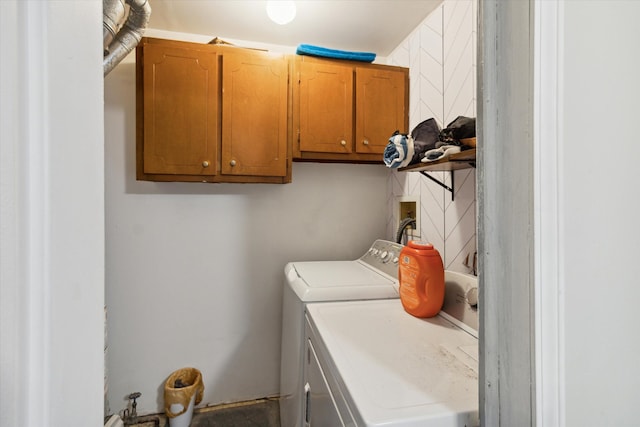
(211, 113)
(346, 111)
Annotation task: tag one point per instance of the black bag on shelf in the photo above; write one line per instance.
(461, 128)
(425, 137)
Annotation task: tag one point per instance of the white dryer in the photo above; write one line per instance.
(371, 364)
(372, 276)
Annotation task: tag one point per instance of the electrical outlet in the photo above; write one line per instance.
(408, 207)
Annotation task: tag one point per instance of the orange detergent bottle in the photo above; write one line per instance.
(421, 277)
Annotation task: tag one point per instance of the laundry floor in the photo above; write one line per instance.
(263, 413)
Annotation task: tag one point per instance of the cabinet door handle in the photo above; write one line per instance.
(343, 142)
(365, 142)
(232, 162)
(205, 164)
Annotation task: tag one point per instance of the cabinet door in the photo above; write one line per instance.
(380, 108)
(325, 107)
(180, 110)
(254, 114)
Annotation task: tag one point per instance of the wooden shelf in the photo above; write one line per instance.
(462, 160)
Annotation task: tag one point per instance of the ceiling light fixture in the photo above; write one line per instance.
(281, 12)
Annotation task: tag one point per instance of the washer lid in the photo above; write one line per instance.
(338, 280)
(397, 369)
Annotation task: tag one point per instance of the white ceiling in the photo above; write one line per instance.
(375, 26)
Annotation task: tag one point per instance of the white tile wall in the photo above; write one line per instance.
(441, 56)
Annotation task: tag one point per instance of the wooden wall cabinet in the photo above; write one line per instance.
(211, 113)
(346, 111)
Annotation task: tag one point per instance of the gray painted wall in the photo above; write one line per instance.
(505, 223)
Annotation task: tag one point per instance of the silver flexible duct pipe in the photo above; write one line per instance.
(112, 16)
(117, 43)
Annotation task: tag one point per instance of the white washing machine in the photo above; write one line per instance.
(369, 363)
(372, 276)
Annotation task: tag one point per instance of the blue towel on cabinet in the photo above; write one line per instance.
(307, 49)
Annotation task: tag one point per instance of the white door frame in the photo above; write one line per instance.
(51, 214)
(548, 307)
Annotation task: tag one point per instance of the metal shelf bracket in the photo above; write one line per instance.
(461, 160)
(440, 183)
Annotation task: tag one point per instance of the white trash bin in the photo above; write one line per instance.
(182, 391)
(183, 420)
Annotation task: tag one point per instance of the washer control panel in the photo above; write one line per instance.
(383, 255)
